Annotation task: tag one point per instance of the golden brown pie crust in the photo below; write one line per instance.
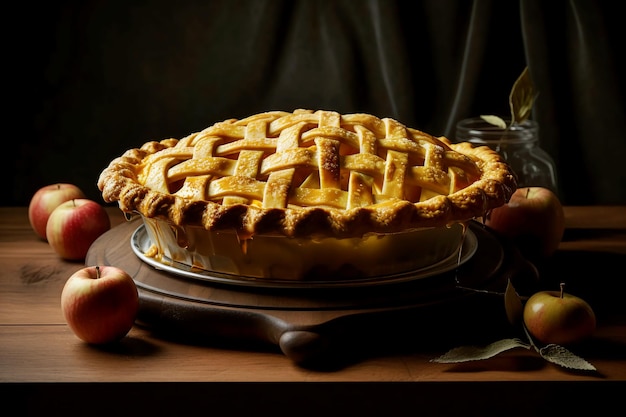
(309, 173)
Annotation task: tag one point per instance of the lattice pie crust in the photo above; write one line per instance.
(309, 173)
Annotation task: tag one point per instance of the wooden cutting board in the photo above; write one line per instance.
(325, 325)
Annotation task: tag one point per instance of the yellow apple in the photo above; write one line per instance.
(559, 318)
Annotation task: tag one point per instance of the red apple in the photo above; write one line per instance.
(533, 219)
(100, 303)
(74, 225)
(559, 318)
(45, 200)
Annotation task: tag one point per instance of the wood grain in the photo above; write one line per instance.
(36, 346)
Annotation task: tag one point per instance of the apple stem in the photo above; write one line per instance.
(97, 272)
(562, 285)
(527, 192)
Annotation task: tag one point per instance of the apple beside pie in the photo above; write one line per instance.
(307, 194)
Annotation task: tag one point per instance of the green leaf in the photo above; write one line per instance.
(563, 357)
(474, 353)
(522, 98)
(513, 305)
(494, 120)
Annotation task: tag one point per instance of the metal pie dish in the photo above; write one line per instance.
(271, 260)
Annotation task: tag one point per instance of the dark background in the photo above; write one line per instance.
(88, 80)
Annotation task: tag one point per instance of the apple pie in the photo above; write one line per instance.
(295, 195)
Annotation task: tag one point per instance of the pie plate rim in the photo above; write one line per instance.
(140, 242)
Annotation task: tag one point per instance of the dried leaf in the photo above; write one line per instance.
(563, 357)
(474, 353)
(522, 97)
(494, 120)
(513, 304)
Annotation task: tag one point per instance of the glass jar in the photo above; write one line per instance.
(518, 145)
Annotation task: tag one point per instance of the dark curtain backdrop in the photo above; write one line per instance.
(89, 79)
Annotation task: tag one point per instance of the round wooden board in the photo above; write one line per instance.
(311, 324)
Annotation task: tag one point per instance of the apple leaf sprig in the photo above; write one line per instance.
(514, 309)
(521, 101)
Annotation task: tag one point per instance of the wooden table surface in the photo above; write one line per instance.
(42, 361)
